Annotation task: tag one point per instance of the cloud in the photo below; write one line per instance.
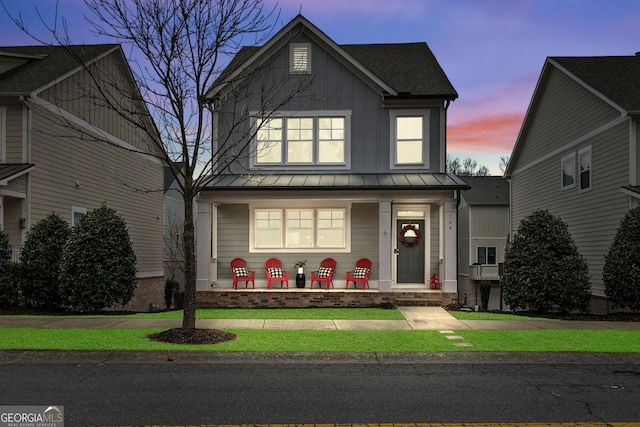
(497, 132)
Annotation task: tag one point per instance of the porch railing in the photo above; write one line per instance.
(483, 272)
(15, 255)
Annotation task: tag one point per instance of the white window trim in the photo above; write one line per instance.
(292, 68)
(315, 114)
(3, 134)
(394, 114)
(299, 205)
(578, 172)
(486, 254)
(571, 157)
(75, 210)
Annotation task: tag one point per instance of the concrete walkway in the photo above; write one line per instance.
(416, 318)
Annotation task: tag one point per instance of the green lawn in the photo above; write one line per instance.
(265, 340)
(479, 315)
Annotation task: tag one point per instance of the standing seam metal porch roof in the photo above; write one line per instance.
(375, 181)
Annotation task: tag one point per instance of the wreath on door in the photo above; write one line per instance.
(403, 239)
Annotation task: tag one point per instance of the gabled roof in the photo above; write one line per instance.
(11, 171)
(486, 190)
(615, 79)
(45, 64)
(402, 69)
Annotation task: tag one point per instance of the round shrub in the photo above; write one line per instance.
(543, 269)
(98, 267)
(621, 272)
(40, 259)
(5, 274)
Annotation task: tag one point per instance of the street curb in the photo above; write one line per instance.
(187, 357)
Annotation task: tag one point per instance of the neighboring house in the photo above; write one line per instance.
(483, 227)
(578, 152)
(46, 166)
(339, 170)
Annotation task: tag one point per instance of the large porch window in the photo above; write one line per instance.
(299, 228)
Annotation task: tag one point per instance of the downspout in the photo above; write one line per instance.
(26, 158)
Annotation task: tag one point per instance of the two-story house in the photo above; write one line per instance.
(61, 149)
(483, 228)
(578, 152)
(350, 167)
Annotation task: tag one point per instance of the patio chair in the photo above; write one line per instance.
(360, 273)
(324, 273)
(241, 273)
(275, 273)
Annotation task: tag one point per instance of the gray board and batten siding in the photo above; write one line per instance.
(335, 87)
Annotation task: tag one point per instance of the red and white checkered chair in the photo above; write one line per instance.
(324, 273)
(360, 273)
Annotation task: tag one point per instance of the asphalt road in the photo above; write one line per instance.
(253, 389)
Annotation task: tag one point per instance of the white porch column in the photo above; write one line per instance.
(385, 252)
(450, 253)
(204, 243)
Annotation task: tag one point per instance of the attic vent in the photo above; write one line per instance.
(300, 58)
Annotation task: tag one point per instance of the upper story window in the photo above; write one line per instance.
(3, 134)
(568, 165)
(409, 138)
(584, 158)
(300, 58)
(302, 140)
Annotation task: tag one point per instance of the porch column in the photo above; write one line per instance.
(384, 255)
(450, 252)
(203, 246)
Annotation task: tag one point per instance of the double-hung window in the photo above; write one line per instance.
(409, 138)
(584, 159)
(299, 228)
(568, 169)
(294, 141)
(486, 255)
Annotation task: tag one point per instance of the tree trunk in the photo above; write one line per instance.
(189, 314)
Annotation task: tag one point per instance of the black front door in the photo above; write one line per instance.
(410, 249)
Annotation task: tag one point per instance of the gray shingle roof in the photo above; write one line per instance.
(409, 68)
(10, 170)
(56, 62)
(616, 77)
(486, 190)
(382, 181)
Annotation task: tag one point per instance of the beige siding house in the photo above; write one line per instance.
(483, 227)
(577, 152)
(48, 165)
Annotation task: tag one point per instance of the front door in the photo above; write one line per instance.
(410, 250)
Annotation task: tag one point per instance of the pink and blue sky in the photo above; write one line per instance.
(492, 50)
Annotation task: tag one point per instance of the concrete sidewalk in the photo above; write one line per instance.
(416, 318)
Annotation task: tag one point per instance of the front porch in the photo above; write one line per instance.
(334, 298)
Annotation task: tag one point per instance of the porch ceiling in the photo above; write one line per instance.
(379, 181)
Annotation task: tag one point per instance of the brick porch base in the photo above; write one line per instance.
(261, 298)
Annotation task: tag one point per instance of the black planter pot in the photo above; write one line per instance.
(300, 279)
(178, 300)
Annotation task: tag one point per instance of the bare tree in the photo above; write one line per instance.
(466, 167)
(178, 49)
(504, 162)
